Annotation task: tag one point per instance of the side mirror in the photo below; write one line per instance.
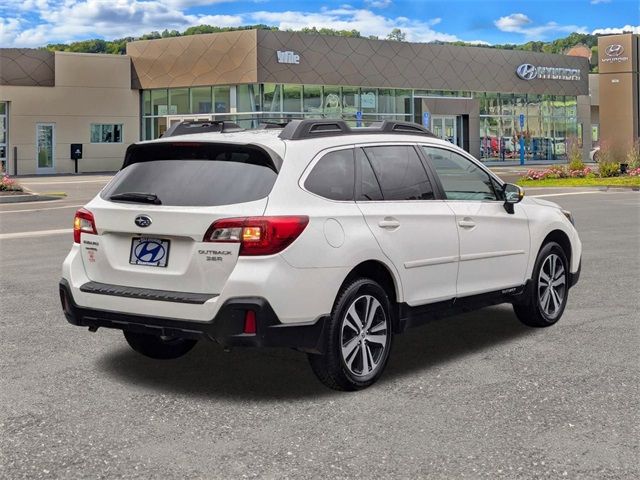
(512, 194)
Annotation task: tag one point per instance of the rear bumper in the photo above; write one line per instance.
(226, 328)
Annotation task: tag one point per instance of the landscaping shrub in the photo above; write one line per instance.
(574, 155)
(633, 156)
(609, 169)
(8, 184)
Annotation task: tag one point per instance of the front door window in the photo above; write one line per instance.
(45, 147)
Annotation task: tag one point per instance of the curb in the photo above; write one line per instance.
(28, 198)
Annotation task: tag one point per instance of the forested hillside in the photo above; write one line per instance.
(119, 46)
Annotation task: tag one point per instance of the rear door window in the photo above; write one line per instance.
(332, 176)
(219, 177)
(400, 172)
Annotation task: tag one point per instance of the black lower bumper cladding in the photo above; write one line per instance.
(227, 328)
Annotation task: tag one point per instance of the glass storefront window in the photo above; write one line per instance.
(159, 102)
(350, 101)
(312, 99)
(222, 99)
(369, 100)
(201, 100)
(106, 133)
(403, 102)
(246, 98)
(271, 94)
(386, 101)
(292, 98)
(332, 101)
(146, 102)
(178, 101)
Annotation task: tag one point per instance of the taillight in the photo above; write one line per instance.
(257, 235)
(83, 222)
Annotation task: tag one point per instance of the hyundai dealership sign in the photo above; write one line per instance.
(614, 53)
(527, 71)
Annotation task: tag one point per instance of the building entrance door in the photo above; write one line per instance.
(446, 128)
(45, 148)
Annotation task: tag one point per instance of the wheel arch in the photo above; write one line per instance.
(383, 275)
(562, 239)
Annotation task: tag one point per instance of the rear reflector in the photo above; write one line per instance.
(250, 322)
(83, 222)
(257, 235)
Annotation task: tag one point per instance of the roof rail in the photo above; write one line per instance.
(201, 126)
(310, 128)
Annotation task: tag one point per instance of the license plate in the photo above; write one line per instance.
(153, 252)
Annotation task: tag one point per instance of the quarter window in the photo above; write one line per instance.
(106, 133)
(461, 178)
(333, 176)
(400, 173)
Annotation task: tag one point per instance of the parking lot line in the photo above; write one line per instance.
(37, 233)
(565, 194)
(41, 209)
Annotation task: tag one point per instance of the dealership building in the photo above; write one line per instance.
(57, 106)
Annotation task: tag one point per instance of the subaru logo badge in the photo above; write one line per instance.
(526, 71)
(143, 221)
(614, 50)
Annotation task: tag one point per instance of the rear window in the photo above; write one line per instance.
(199, 176)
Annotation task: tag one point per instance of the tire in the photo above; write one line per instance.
(596, 157)
(355, 356)
(545, 303)
(157, 347)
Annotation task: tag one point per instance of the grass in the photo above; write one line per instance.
(583, 182)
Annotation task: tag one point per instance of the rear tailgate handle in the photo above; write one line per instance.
(389, 223)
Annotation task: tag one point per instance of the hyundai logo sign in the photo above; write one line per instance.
(614, 53)
(527, 71)
(143, 221)
(149, 252)
(614, 50)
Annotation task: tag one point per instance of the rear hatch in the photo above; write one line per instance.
(152, 217)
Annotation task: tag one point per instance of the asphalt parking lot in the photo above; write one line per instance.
(475, 396)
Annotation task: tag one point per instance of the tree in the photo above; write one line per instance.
(397, 35)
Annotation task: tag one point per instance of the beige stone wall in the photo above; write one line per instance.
(88, 89)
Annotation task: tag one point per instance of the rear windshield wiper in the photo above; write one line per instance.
(136, 197)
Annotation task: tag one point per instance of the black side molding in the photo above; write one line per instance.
(146, 293)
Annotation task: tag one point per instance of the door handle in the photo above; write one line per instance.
(389, 223)
(467, 223)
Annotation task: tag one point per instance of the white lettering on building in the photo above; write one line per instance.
(288, 57)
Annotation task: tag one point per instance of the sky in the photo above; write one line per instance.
(34, 23)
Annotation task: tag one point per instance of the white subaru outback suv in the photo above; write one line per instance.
(315, 236)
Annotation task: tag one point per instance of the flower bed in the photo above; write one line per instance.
(8, 184)
(559, 172)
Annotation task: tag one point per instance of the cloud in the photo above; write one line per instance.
(521, 23)
(614, 30)
(378, 3)
(596, 2)
(513, 23)
(53, 21)
(365, 21)
(70, 20)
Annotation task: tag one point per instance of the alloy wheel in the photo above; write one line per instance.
(552, 286)
(364, 336)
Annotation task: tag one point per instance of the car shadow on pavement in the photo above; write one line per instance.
(249, 373)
